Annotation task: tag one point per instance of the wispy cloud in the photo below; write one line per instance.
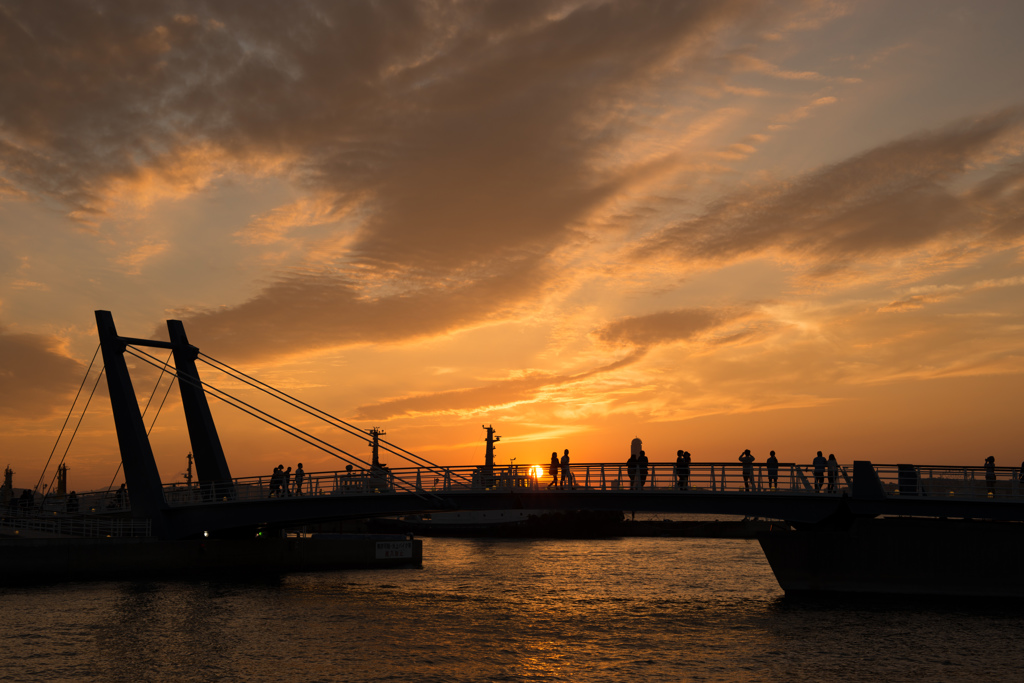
(499, 394)
(888, 200)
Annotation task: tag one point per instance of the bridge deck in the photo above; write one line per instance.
(717, 488)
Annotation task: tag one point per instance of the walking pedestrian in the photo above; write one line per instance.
(553, 469)
(566, 474)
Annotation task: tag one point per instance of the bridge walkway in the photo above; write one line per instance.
(860, 489)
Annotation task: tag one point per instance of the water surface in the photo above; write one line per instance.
(618, 610)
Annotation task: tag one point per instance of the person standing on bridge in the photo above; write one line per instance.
(683, 470)
(553, 469)
(300, 474)
(819, 472)
(121, 497)
(773, 472)
(833, 473)
(566, 474)
(748, 468)
(990, 475)
(631, 470)
(641, 468)
(286, 482)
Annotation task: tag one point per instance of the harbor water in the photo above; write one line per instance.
(615, 610)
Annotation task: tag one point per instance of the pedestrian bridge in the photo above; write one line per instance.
(246, 504)
(216, 502)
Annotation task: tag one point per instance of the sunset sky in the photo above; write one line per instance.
(713, 225)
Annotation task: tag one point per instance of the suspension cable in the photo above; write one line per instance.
(278, 394)
(70, 411)
(271, 420)
(252, 410)
(81, 419)
(316, 412)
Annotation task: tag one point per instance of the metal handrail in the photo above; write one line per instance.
(662, 478)
(85, 526)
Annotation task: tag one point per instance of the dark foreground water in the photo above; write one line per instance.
(624, 610)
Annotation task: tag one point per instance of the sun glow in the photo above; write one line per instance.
(538, 471)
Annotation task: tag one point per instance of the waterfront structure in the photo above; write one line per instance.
(813, 557)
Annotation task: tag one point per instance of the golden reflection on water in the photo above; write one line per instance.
(488, 610)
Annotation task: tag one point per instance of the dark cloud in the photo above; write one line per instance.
(892, 198)
(35, 378)
(465, 136)
(662, 328)
(466, 129)
(301, 313)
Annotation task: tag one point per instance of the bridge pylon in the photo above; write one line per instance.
(140, 472)
(211, 465)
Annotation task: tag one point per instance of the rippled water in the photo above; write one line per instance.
(643, 609)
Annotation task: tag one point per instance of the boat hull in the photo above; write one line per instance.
(901, 557)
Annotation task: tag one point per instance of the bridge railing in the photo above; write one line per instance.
(713, 477)
(79, 525)
(369, 481)
(659, 478)
(951, 481)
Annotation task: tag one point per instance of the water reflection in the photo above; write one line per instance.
(553, 610)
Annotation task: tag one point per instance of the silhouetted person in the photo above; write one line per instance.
(553, 469)
(773, 472)
(566, 474)
(641, 468)
(286, 482)
(833, 472)
(300, 474)
(990, 475)
(748, 468)
(1021, 478)
(275, 481)
(819, 471)
(72, 502)
(631, 470)
(682, 470)
(121, 497)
